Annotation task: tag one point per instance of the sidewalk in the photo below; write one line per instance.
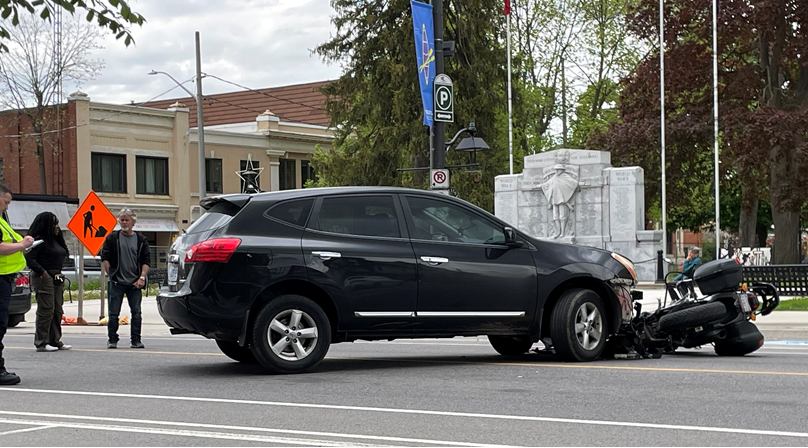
(779, 325)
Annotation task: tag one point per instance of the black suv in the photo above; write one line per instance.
(278, 277)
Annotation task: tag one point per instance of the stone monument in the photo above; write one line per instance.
(575, 196)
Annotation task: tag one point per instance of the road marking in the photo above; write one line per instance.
(757, 432)
(188, 433)
(484, 363)
(121, 350)
(237, 428)
(26, 429)
(559, 365)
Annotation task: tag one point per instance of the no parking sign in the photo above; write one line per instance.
(439, 179)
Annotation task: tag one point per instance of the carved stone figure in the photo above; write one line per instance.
(559, 186)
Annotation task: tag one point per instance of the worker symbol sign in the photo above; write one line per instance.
(92, 222)
(439, 179)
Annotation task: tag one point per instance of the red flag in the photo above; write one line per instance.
(507, 7)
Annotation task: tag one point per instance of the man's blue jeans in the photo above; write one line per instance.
(134, 296)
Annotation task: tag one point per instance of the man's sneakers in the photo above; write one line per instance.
(8, 378)
(47, 348)
(137, 344)
(65, 347)
(111, 344)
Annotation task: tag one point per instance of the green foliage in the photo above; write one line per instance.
(798, 304)
(113, 15)
(375, 105)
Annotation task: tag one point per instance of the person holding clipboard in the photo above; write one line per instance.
(12, 261)
(46, 260)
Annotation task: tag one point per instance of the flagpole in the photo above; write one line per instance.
(510, 103)
(715, 124)
(662, 123)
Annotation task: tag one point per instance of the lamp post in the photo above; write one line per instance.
(199, 119)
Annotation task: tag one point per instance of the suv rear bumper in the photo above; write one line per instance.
(186, 314)
(20, 303)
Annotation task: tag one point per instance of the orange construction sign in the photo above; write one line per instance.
(92, 223)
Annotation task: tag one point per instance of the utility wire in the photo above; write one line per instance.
(265, 93)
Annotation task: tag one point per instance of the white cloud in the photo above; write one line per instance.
(257, 43)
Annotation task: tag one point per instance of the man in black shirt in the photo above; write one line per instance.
(125, 258)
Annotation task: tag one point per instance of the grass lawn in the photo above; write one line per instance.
(798, 304)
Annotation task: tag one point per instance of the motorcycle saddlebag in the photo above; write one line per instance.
(742, 338)
(719, 275)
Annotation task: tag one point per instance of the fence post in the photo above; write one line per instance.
(660, 267)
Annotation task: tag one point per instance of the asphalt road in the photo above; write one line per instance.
(181, 391)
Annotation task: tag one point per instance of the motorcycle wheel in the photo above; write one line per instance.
(691, 317)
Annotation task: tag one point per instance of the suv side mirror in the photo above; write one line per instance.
(510, 238)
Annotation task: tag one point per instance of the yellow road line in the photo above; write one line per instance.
(485, 363)
(127, 350)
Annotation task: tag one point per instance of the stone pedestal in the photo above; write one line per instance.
(606, 210)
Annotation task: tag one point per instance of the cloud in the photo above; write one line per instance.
(257, 43)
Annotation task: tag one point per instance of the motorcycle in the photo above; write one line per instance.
(724, 317)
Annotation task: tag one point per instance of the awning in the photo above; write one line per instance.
(153, 225)
(22, 213)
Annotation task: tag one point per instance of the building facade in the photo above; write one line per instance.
(145, 157)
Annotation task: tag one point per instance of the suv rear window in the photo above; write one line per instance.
(291, 212)
(360, 215)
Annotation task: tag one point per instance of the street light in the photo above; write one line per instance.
(470, 145)
(200, 127)
(199, 119)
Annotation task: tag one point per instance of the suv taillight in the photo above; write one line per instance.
(23, 281)
(218, 250)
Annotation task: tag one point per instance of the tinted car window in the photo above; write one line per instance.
(292, 212)
(441, 221)
(359, 215)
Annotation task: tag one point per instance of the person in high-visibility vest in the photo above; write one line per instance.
(12, 260)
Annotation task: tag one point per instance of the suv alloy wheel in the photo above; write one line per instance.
(292, 334)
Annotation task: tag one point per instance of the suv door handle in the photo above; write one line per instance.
(434, 261)
(325, 255)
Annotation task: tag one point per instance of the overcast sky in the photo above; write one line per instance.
(256, 43)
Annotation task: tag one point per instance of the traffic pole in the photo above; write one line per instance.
(438, 127)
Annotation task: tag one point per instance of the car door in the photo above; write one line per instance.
(356, 248)
(468, 279)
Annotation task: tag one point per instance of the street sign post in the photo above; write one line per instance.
(91, 224)
(439, 179)
(444, 99)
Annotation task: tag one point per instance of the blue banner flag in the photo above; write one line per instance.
(424, 54)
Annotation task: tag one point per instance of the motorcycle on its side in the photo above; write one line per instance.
(724, 317)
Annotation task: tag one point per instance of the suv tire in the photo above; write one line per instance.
(510, 345)
(579, 325)
(305, 344)
(236, 352)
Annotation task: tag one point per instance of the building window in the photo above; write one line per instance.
(287, 174)
(109, 172)
(152, 175)
(306, 173)
(257, 179)
(213, 175)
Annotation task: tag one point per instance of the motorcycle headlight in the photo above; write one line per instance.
(627, 263)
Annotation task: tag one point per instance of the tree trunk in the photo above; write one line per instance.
(749, 213)
(785, 209)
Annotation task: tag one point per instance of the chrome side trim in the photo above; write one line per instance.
(384, 313)
(470, 314)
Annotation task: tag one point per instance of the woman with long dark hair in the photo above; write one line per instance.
(46, 261)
